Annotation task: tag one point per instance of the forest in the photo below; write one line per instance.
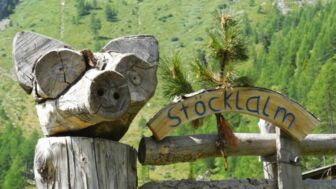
(7, 7)
(292, 53)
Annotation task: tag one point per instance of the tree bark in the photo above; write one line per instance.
(76, 162)
(175, 149)
(234, 184)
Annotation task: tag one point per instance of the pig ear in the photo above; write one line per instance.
(27, 48)
(57, 70)
(143, 46)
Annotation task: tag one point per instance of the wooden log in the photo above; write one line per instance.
(175, 149)
(56, 70)
(288, 160)
(143, 46)
(259, 102)
(234, 184)
(140, 75)
(85, 93)
(76, 162)
(98, 96)
(269, 162)
(27, 48)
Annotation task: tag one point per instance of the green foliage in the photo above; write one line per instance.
(7, 7)
(252, 3)
(83, 7)
(142, 125)
(261, 9)
(227, 47)
(14, 177)
(110, 14)
(298, 59)
(322, 99)
(16, 157)
(227, 41)
(292, 54)
(175, 77)
(94, 4)
(95, 25)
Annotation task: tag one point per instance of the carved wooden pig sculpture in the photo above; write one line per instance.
(82, 93)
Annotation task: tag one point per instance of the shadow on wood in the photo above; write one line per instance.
(77, 162)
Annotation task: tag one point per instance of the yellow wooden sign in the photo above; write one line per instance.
(263, 103)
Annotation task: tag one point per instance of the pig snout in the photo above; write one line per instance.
(109, 95)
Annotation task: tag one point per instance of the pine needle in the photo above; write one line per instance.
(176, 82)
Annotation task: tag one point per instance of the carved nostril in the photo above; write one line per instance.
(100, 92)
(116, 96)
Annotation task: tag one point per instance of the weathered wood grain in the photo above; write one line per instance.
(76, 162)
(175, 149)
(269, 162)
(263, 103)
(140, 75)
(234, 184)
(56, 70)
(128, 81)
(98, 96)
(288, 160)
(144, 46)
(84, 93)
(27, 48)
(221, 184)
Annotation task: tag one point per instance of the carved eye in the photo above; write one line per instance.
(134, 77)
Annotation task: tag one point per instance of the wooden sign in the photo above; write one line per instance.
(263, 103)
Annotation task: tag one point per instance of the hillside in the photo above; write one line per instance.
(293, 54)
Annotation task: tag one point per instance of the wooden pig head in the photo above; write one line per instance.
(82, 93)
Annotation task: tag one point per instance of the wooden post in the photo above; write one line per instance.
(288, 158)
(269, 162)
(88, 163)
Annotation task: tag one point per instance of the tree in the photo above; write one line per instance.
(226, 47)
(83, 8)
(95, 25)
(173, 74)
(94, 4)
(144, 170)
(252, 3)
(110, 14)
(322, 97)
(14, 177)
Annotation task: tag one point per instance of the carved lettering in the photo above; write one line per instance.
(172, 117)
(203, 109)
(248, 104)
(285, 116)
